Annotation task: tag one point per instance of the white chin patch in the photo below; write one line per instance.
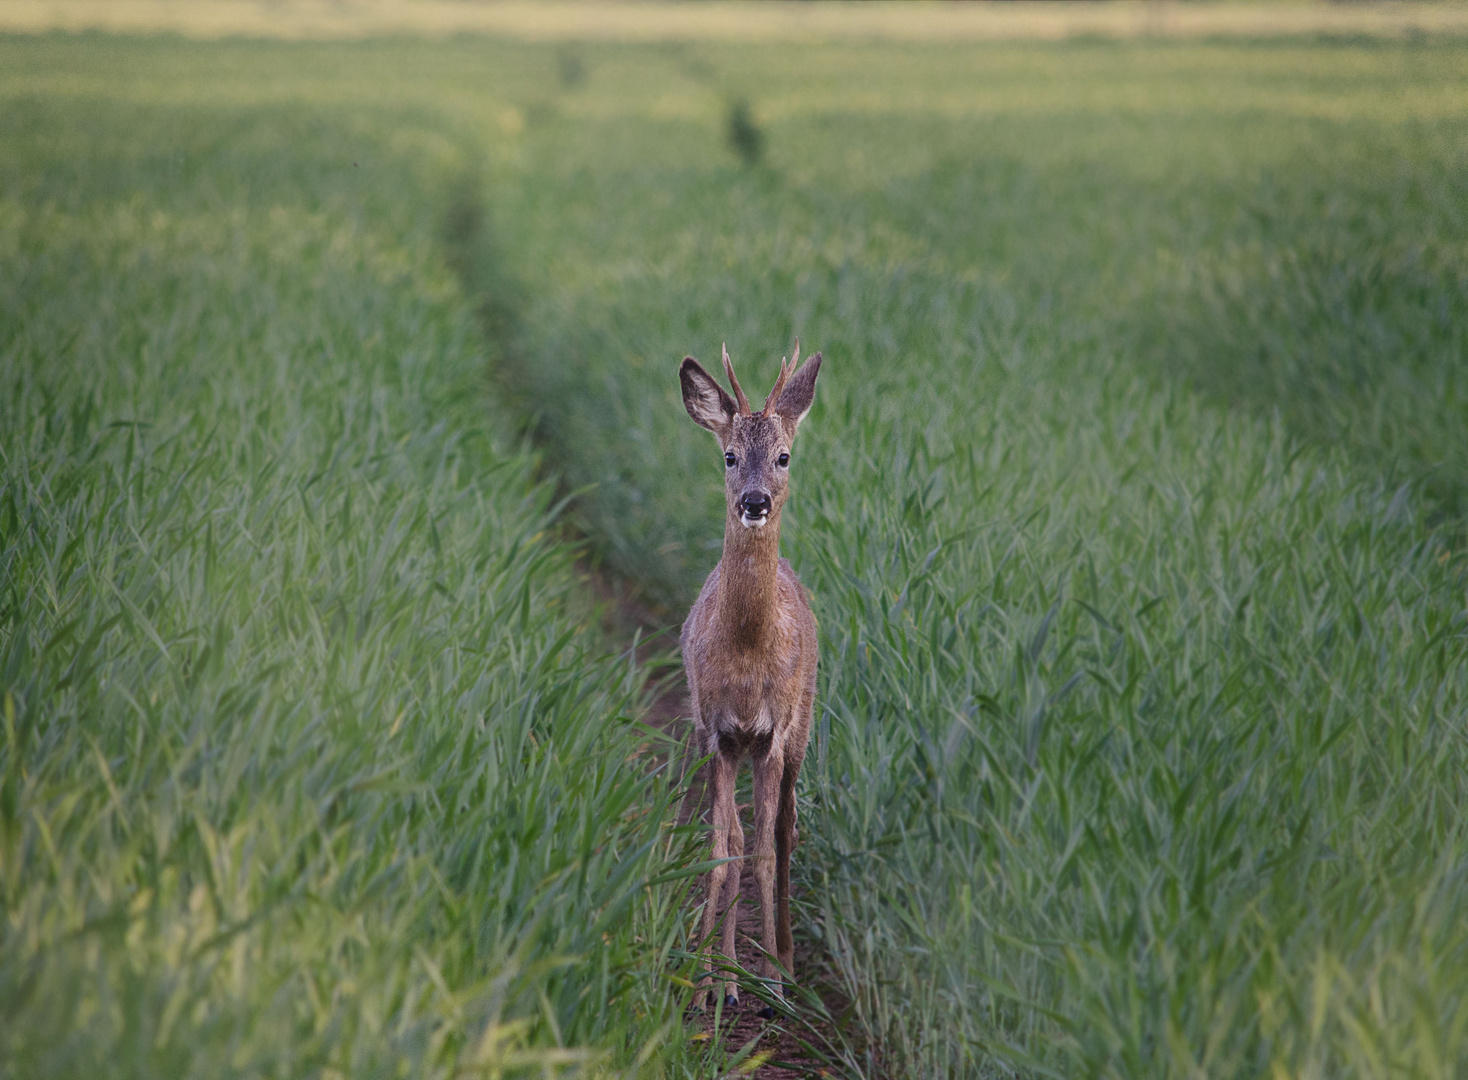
(753, 522)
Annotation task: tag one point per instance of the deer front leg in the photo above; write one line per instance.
(731, 896)
(721, 783)
(787, 835)
(768, 772)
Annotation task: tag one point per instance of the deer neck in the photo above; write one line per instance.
(748, 582)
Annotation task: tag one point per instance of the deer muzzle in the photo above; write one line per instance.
(754, 509)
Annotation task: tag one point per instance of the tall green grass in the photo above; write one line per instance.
(1155, 768)
(313, 762)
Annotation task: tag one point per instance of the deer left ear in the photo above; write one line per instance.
(799, 393)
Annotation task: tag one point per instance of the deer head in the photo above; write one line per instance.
(756, 445)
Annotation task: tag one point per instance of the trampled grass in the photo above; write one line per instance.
(1131, 507)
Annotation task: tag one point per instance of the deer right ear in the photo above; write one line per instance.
(706, 401)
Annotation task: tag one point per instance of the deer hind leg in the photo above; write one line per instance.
(721, 781)
(787, 835)
(768, 771)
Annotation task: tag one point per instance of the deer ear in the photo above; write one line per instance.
(795, 400)
(706, 401)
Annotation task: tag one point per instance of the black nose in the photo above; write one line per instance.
(755, 503)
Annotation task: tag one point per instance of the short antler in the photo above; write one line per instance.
(785, 373)
(738, 390)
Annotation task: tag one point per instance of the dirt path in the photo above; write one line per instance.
(780, 1042)
(788, 1059)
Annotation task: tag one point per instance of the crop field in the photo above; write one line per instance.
(312, 758)
(1132, 507)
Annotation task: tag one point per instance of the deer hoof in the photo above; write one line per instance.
(731, 1001)
(767, 1013)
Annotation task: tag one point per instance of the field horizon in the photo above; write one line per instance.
(811, 22)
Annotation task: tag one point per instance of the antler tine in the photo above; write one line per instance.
(785, 373)
(734, 382)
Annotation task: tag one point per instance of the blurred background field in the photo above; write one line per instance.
(1132, 507)
(735, 20)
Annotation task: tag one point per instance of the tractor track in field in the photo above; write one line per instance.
(789, 1058)
(648, 636)
(791, 1053)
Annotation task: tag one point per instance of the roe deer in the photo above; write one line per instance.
(749, 649)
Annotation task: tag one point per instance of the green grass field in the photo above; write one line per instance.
(1132, 507)
(313, 763)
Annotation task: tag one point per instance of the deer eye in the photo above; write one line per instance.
(783, 461)
(729, 459)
